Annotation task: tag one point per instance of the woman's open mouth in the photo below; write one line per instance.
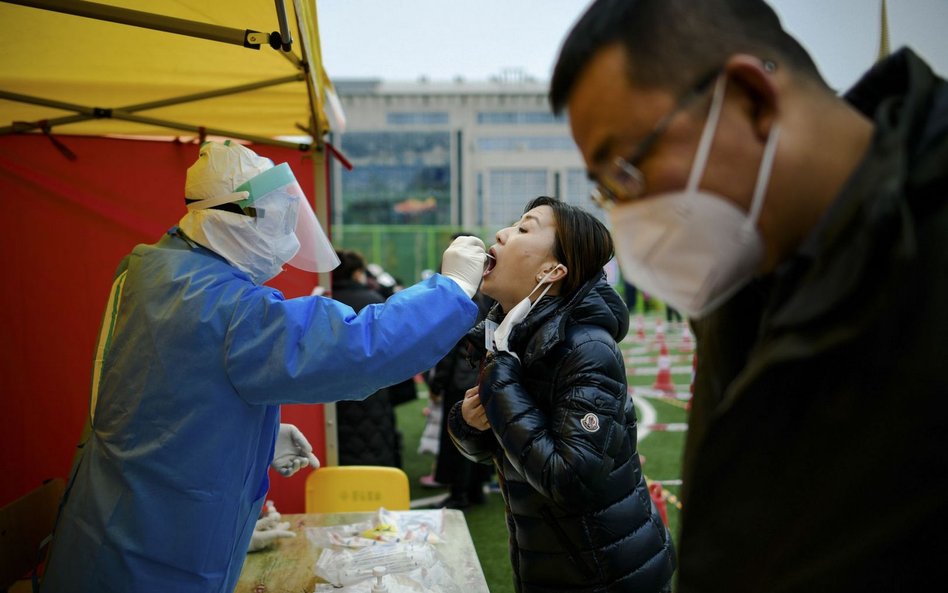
(489, 265)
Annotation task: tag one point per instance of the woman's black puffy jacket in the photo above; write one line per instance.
(563, 439)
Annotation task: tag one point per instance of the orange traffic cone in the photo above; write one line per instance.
(663, 381)
(655, 492)
(660, 331)
(687, 340)
(691, 388)
(640, 328)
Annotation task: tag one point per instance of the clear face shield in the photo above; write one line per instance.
(279, 207)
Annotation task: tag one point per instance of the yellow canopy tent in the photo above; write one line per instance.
(55, 65)
(67, 73)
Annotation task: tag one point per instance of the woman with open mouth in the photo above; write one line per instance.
(552, 411)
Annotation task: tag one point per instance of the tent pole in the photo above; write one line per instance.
(321, 205)
(147, 20)
(213, 94)
(25, 126)
(96, 112)
(209, 131)
(92, 113)
(285, 35)
(291, 58)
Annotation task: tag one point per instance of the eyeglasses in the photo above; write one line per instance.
(623, 181)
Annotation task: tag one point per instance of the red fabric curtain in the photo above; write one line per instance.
(69, 224)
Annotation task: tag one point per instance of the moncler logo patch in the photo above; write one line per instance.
(590, 422)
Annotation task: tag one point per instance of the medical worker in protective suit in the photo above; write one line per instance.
(194, 359)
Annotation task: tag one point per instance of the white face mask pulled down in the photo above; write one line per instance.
(515, 316)
(692, 248)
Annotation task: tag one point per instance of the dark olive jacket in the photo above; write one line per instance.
(816, 455)
(563, 438)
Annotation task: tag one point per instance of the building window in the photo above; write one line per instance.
(578, 187)
(410, 118)
(509, 191)
(522, 143)
(507, 118)
(399, 178)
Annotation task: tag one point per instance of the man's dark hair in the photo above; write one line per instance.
(582, 243)
(350, 262)
(673, 44)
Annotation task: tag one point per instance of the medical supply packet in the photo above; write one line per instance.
(403, 544)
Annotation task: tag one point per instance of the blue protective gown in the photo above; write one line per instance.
(174, 474)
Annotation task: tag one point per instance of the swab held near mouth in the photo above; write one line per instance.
(489, 263)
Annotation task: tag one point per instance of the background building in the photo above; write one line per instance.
(432, 158)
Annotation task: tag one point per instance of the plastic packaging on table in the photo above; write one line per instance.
(396, 583)
(400, 545)
(431, 579)
(387, 527)
(345, 567)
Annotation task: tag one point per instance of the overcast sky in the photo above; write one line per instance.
(476, 39)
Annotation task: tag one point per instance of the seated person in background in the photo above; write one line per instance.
(553, 412)
(366, 428)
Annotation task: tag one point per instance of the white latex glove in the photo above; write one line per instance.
(292, 452)
(463, 261)
(268, 530)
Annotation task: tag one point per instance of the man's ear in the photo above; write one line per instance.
(757, 79)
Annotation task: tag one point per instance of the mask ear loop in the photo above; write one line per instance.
(546, 275)
(763, 178)
(707, 136)
(540, 283)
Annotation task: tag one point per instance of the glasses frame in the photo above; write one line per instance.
(623, 181)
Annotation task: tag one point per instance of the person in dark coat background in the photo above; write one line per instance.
(554, 414)
(448, 381)
(366, 429)
(815, 455)
(386, 285)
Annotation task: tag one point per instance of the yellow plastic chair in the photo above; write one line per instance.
(354, 488)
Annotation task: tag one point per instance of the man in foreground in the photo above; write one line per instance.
(806, 236)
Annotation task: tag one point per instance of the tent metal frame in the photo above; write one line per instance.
(127, 113)
(137, 18)
(244, 37)
(281, 40)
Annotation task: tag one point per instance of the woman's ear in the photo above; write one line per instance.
(557, 273)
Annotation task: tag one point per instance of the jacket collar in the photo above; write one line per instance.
(841, 277)
(595, 303)
(869, 221)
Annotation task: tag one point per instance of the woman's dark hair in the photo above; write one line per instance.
(582, 243)
(350, 262)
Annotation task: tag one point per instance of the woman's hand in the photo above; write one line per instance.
(472, 411)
